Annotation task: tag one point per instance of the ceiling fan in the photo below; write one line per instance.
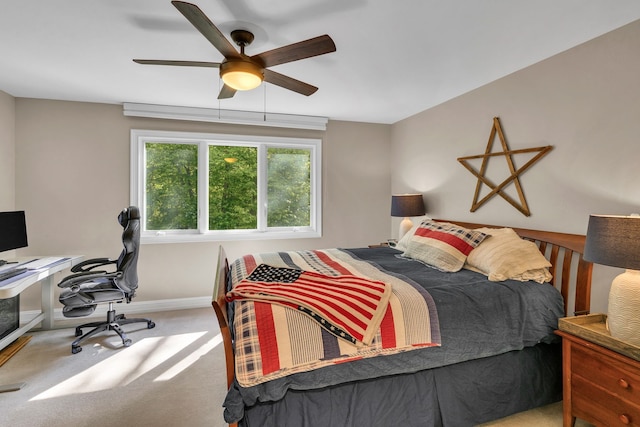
(240, 71)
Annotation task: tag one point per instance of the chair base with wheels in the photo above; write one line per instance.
(113, 323)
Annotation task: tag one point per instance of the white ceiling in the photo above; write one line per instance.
(394, 58)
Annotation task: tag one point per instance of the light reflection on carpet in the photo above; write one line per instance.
(128, 364)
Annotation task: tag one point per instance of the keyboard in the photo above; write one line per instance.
(40, 262)
(8, 274)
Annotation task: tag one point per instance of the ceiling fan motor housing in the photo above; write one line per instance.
(242, 37)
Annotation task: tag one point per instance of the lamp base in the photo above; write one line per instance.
(623, 317)
(405, 226)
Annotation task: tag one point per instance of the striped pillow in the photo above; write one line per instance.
(442, 245)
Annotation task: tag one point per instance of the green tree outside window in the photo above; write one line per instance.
(172, 187)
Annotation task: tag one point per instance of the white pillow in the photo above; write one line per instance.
(505, 256)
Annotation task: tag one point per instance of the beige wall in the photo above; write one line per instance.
(72, 178)
(7, 152)
(584, 102)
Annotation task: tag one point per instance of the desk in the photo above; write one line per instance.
(14, 286)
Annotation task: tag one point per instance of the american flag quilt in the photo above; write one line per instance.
(350, 307)
(300, 311)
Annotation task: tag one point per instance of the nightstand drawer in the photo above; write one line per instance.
(591, 402)
(615, 376)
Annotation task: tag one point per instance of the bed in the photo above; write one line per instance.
(485, 347)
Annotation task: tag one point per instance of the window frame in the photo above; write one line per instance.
(139, 137)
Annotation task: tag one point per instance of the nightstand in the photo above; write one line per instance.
(379, 245)
(601, 375)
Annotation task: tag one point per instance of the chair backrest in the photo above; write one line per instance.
(127, 262)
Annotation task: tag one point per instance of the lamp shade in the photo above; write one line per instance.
(613, 240)
(407, 205)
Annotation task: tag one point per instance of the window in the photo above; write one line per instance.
(194, 187)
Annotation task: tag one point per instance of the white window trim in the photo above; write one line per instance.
(137, 187)
(254, 118)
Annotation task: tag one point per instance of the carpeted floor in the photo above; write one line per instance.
(172, 375)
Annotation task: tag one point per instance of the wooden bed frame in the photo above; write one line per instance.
(570, 273)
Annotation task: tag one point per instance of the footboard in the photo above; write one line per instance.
(219, 304)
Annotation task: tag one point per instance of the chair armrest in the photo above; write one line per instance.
(91, 264)
(79, 278)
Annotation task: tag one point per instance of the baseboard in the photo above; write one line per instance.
(135, 307)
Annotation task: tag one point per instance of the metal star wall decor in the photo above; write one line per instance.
(514, 176)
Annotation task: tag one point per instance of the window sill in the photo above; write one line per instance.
(159, 238)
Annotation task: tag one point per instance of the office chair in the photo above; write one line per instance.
(88, 287)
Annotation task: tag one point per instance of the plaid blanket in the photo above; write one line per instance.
(273, 340)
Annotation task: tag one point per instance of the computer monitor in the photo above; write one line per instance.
(13, 230)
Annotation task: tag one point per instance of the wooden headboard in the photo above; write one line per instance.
(571, 273)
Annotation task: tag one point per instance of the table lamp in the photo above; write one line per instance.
(406, 205)
(615, 241)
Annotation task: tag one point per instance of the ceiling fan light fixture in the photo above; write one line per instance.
(241, 75)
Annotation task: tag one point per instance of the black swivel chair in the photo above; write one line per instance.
(89, 287)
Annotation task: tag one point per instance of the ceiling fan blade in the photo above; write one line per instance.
(199, 20)
(289, 83)
(293, 52)
(226, 92)
(178, 63)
